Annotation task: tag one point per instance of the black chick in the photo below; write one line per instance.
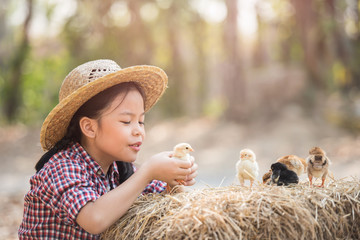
(281, 175)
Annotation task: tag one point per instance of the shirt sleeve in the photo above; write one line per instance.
(72, 189)
(155, 186)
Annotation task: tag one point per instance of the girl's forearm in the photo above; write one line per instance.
(96, 217)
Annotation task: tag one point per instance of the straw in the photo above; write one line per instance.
(235, 212)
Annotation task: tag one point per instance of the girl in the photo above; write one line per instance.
(86, 179)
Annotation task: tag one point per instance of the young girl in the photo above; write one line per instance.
(86, 179)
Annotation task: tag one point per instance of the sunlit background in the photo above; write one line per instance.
(276, 76)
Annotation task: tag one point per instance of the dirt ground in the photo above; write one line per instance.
(216, 143)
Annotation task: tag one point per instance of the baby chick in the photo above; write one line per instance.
(267, 177)
(247, 167)
(182, 151)
(294, 163)
(281, 175)
(318, 165)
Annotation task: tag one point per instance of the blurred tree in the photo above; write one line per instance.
(259, 54)
(312, 38)
(232, 67)
(199, 35)
(141, 45)
(3, 32)
(320, 27)
(203, 58)
(179, 94)
(13, 91)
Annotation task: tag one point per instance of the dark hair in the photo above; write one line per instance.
(93, 108)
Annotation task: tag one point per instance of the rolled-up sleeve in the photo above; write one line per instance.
(72, 189)
(155, 186)
(75, 199)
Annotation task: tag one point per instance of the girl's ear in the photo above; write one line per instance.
(88, 127)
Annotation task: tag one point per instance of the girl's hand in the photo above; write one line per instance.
(165, 168)
(190, 180)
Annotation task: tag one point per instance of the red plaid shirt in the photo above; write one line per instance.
(61, 188)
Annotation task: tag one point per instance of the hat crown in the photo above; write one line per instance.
(86, 73)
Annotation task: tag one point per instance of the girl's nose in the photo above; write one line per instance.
(138, 130)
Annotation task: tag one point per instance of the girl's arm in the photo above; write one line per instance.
(95, 217)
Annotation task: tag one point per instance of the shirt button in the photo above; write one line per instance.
(98, 172)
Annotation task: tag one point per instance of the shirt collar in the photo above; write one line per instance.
(114, 171)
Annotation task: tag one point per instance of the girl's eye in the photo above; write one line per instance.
(141, 123)
(124, 122)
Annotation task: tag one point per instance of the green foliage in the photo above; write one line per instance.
(321, 37)
(215, 108)
(42, 79)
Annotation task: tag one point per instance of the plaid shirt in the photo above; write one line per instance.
(61, 188)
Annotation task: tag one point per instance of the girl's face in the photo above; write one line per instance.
(120, 130)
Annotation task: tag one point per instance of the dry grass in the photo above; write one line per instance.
(234, 212)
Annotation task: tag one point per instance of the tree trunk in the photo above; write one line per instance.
(233, 72)
(311, 38)
(142, 48)
(177, 85)
(260, 51)
(13, 87)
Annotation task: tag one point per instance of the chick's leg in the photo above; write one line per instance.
(322, 182)
(310, 180)
(241, 180)
(168, 188)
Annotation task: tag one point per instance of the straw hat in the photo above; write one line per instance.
(89, 79)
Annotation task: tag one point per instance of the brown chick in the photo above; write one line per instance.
(267, 177)
(294, 163)
(318, 165)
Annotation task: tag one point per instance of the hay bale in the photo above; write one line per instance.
(234, 212)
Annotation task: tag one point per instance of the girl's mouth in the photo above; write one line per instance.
(135, 146)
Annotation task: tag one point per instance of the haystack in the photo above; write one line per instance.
(234, 212)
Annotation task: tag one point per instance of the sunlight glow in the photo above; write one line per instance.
(18, 15)
(213, 11)
(149, 12)
(119, 13)
(247, 17)
(40, 24)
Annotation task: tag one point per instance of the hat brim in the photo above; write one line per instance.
(152, 80)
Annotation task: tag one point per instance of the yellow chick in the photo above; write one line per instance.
(247, 167)
(182, 151)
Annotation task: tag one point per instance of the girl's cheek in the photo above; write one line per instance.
(143, 133)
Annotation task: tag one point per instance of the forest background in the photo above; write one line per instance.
(276, 76)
